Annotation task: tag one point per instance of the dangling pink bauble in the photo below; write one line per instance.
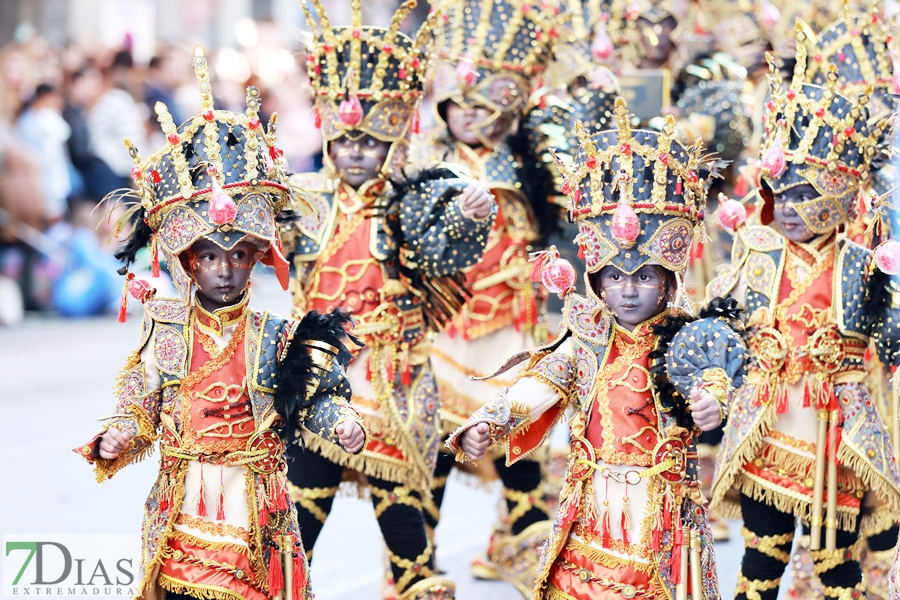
(602, 46)
(732, 214)
(887, 257)
(222, 208)
(466, 73)
(774, 160)
(769, 15)
(140, 289)
(625, 225)
(351, 112)
(558, 276)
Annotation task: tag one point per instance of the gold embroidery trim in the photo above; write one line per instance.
(398, 495)
(768, 544)
(219, 529)
(524, 501)
(305, 497)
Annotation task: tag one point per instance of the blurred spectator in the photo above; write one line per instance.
(84, 89)
(42, 127)
(164, 77)
(115, 116)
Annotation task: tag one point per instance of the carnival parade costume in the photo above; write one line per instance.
(488, 54)
(390, 251)
(216, 388)
(631, 521)
(804, 432)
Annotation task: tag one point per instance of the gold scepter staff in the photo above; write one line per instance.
(681, 588)
(815, 521)
(696, 579)
(287, 563)
(831, 509)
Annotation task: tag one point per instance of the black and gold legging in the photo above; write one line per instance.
(768, 534)
(315, 481)
(523, 490)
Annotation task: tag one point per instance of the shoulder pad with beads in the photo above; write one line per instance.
(167, 310)
(761, 238)
(851, 266)
(263, 340)
(578, 318)
(305, 237)
(502, 169)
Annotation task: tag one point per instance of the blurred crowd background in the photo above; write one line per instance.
(78, 76)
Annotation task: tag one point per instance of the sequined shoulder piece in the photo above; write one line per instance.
(263, 340)
(167, 310)
(761, 238)
(319, 191)
(501, 169)
(852, 266)
(578, 317)
(426, 152)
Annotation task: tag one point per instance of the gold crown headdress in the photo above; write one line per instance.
(220, 176)
(367, 80)
(815, 136)
(489, 51)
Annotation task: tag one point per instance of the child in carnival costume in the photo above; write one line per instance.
(212, 380)
(804, 431)
(860, 46)
(487, 55)
(390, 250)
(642, 376)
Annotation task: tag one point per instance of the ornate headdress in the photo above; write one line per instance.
(637, 196)
(736, 25)
(367, 80)
(859, 46)
(488, 51)
(220, 176)
(815, 136)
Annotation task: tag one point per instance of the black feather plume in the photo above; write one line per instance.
(665, 390)
(537, 185)
(138, 239)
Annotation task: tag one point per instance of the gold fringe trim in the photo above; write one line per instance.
(746, 451)
(371, 464)
(151, 566)
(878, 521)
(599, 557)
(792, 504)
(105, 469)
(177, 534)
(205, 592)
(871, 478)
(553, 593)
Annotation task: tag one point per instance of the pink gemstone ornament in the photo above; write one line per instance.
(887, 257)
(466, 73)
(625, 225)
(222, 208)
(770, 15)
(351, 112)
(602, 46)
(774, 161)
(732, 214)
(140, 289)
(557, 274)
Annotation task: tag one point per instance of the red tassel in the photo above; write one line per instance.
(369, 369)
(154, 252)
(572, 511)
(318, 119)
(807, 402)
(263, 516)
(698, 251)
(605, 527)
(282, 499)
(201, 503)
(123, 302)
(220, 504)
(417, 121)
(405, 373)
(832, 400)
(781, 401)
(299, 580)
(656, 539)
(623, 525)
(678, 187)
(581, 251)
(389, 369)
(833, 444)
(667, 513)
(276, 575)
(677, 542)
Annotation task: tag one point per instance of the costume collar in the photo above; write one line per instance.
(642, 330)
(813, 251)
(216, 322)
(351, 201)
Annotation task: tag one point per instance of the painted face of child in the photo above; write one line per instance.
(786, 216)
(464, 121)
(221, 275)
(634, 298)
(358, 160)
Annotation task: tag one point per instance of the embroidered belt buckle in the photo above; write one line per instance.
(770, 349)
(387, 323)
(826, 349)
(671, 456)
(169, 441)
(583, 464)
(269, 452)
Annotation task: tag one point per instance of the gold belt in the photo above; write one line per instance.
(388, 322)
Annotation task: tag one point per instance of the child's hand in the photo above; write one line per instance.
(476, 201)
(351, 436)
(475, 440)
(113, 443)
(705, 410)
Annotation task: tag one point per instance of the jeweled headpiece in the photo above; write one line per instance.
(220, 176)
(488, 51)
(637, 196)
(816, 136)
(859, 45)
(367, 80)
